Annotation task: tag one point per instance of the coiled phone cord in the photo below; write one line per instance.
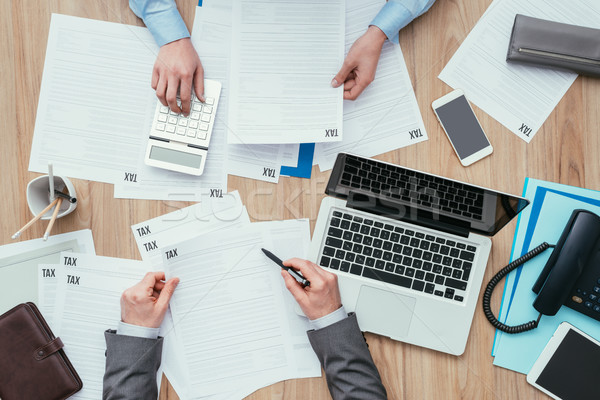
(487, 294)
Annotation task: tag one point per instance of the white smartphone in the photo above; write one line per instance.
(568, 367)
(462, 127)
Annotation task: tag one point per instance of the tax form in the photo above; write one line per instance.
(87, 304)
(283, 58)
(47, 283)
(253, 337)
(190, 222)
(211, 36)
(103, 137)
(386, 116)
(520, 97)
(19, 264)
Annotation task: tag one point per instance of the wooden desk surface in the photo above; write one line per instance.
(565, 150)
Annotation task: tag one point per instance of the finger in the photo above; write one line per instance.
(151, 277)
(353, 93)
(167, 292)
(349, 84)
(155, 294)
(155, 77)
(199, 83)
(294, 287)
(305, 267)
(159, 285)
(161, 90)
(185, 93)
(342, 74)
(172, 87)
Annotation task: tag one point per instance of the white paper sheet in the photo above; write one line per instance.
(283, 58)
(520, 97)
(87, 304)
(47, 283)
(186, 223)
(94, 98)
(95, 111)
(386, 116)
(227, 280)
(19, 264)
(211, 36)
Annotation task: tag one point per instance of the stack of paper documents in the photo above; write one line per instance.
(543, 221)
(231, 328)
(275, 76)
(221, 227)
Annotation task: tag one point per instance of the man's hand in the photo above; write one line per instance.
(146, 303)
(322, 297)
(359, 67)
(177, 67)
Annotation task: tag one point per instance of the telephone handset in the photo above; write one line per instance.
(570, 277)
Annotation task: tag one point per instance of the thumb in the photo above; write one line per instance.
(294, 287)
(341, 76)
(167, 292)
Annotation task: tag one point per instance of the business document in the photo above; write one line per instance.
(283, 58)
(386, 116)
(254, 337)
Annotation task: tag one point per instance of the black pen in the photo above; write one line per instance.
(291, 271)
(64, 196)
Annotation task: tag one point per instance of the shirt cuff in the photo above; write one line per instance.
(392, 17)
(328, 319)
(137, 331)
(166, 26)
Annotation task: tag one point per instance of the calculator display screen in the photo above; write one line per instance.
(176, 157)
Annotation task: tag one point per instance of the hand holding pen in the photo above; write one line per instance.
(321, 297)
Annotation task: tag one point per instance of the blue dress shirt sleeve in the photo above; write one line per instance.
(162, 19)
(396, 14)
(328, 319)
(137, 331)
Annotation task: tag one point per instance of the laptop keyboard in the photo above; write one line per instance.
(415, 187)
(396, 255)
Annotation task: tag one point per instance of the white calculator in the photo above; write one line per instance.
(180, 143)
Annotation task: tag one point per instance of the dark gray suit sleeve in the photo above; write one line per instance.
(345, 357)
(131, 365)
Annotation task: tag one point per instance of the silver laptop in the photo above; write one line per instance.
(409, 248)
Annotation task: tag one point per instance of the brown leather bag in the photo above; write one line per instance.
(32, 362)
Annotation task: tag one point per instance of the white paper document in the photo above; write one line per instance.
(386, 115)
(104, 137)
(94, 98)
(47, 283)
(520, 97)
(153, 235)
(211, 37)
(19, 264)
(254, 336)
(87, 304)
(283, 58)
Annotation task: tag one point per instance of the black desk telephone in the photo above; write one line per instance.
(571, 276)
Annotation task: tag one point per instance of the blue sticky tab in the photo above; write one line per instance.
(305, 159)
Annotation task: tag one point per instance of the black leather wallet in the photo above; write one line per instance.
(555, 45)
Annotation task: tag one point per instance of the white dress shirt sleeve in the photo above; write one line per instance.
(328, 319)
(136, 330)
(396, 14)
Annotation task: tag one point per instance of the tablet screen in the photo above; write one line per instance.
(573, 370)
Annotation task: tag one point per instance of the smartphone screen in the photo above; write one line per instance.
(573, 369)
(462, 127)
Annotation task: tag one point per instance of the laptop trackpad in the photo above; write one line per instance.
(383, 312)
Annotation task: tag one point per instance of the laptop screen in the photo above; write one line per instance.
(422, 198)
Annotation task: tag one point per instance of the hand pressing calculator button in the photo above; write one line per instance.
(180, 143)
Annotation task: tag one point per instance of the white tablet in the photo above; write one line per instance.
(568, 368)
